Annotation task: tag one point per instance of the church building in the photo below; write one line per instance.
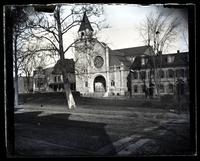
(101, 71)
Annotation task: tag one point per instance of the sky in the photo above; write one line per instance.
(124, 21)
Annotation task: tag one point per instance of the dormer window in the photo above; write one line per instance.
(130, 58)
(170, 59)
(143, 61)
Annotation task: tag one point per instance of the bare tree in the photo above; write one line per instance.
(159, 31)
(19, 16)
(32, 62)
(53, 29)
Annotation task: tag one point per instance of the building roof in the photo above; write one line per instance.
(69, 66)
(133, 51)
(85, 24)
(116, 57)
(117, 60)
(48, 71)
(180, 60)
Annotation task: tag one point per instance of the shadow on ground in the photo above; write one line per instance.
(39, 134)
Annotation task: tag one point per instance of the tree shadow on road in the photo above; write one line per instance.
(41, 134)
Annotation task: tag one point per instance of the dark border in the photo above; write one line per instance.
(9, 69)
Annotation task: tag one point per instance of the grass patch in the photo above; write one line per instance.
(58, 98)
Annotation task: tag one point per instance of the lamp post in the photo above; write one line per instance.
(131, 71)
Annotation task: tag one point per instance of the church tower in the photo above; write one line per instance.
(85, 29)
(92, 62)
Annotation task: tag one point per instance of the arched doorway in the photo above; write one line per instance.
(99, 84)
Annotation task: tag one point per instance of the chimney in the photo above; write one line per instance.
(159, 53)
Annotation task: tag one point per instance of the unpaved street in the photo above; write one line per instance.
(121, 131)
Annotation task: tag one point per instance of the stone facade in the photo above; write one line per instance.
(110, 75)
(100, 70)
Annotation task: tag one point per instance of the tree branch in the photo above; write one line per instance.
(40, 37)
(71, 45)
(73, 24)
(48, 30)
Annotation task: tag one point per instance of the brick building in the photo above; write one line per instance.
(168, 70)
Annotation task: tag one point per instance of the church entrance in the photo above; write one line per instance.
(99, 84)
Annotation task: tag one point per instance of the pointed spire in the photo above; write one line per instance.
(85, 24)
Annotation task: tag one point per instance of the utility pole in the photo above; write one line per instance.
(131, 73)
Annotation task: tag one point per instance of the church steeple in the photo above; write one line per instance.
(85, 24)
(85, 27)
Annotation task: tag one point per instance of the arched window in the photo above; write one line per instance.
(86, 84)
(112, 83)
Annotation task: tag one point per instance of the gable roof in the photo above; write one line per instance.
(133, 51)
(69, 66)
(85, 24)
(117, 60)
(119, 55)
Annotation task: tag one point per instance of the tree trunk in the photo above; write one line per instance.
(156, 83)
(155, 76)
(69, 96)
(28, 83)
